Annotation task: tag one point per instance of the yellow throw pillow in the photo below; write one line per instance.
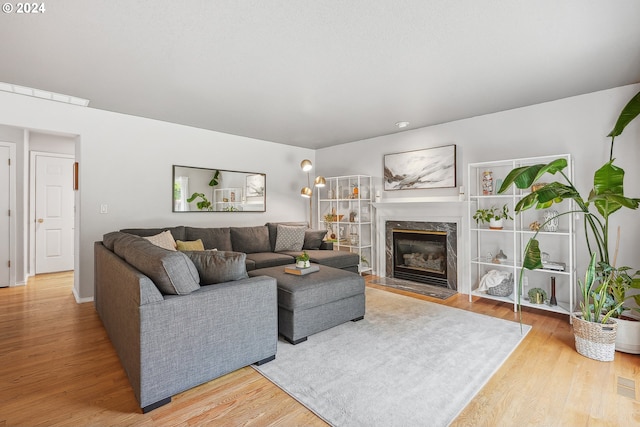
(195, 245)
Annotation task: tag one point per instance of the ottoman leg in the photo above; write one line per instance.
(357, 319)
(298, 341)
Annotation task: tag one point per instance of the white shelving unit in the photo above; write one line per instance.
(348, 199)
(227, 199)
(485, 243)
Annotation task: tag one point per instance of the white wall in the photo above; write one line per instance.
(125, 162)
(576, 125)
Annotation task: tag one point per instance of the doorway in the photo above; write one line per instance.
(54, 211)
(7, 214)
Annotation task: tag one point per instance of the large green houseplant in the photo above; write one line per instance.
(605, 198)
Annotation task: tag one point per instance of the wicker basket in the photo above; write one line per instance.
(504, 289)
(595, 340)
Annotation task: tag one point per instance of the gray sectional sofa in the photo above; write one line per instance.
(179, 319)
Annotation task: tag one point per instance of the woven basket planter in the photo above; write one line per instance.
(595, 340)
(504, 289)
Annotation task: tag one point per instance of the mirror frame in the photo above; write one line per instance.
(243, 195)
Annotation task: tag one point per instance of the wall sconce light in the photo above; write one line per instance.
(307, 191)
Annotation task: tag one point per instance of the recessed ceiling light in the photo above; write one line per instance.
(37, 93)
(402, 125)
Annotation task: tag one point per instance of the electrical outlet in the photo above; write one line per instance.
(104, 208)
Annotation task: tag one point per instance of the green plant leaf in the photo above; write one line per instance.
(628, 113)
(194, 196)
(524, 176)
(532, 259)
(214, 180)
(608, 190)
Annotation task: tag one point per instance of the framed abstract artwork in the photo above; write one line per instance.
(428, 168)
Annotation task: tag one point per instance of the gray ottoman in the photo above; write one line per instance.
(314, 302)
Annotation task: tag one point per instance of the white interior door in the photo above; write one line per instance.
(5, 206)
(54, 213)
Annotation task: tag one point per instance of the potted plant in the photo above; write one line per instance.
(628, 334)
(593, 327)
(537, 295)
(494, 216)
(606, 197)
(302, 260)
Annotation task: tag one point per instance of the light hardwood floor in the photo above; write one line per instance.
(57, 367)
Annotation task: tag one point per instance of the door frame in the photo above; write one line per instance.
(12, 208)
(32, 206)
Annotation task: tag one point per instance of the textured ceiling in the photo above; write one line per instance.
(320, 73)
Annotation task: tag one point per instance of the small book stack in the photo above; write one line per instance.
(292, 269)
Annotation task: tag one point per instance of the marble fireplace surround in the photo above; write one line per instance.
(444, 214)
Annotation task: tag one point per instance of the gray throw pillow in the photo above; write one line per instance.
(313, 239)
(171, 271)
(218, 266)
(289, 238)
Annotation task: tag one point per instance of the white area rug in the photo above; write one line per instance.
(408, 363)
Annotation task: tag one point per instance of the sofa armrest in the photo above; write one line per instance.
(326, 246)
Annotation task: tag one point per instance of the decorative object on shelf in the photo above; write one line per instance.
(307, 192)
(537, 296)
(354, 193)
(353, 215)
(428, 168)
(302, 260)
(553, 301)
(534, 226)
(487, 183)
(494, 216)
(550, 220)
(497, 283)
(607, 195)
(499, 258)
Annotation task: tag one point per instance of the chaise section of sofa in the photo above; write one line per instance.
(168, 343)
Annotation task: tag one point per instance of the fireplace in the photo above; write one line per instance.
(422, 252)
(420, 256)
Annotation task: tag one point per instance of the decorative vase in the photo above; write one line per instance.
(307, 264)
(495, 224)
(487, 183)
(553, 301)
(300, 264)
(551, 220)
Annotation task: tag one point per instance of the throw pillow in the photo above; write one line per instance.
(219, 266)
(289, 238)
(313, 239)
(193, 245)
(164, 240)
(171, 271)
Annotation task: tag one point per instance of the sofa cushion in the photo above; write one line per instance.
(218, 266)
(212, 238)
(118, 242)
(270, 259)
(178, 232)
(250, 239)
(336, 259)
(171, 271)
(164, 240)
(191, 245)
(273, 231)
(289, 238)
(313, 239)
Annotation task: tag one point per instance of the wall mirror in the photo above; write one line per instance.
(218, 190)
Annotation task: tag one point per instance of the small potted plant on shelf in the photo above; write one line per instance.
(302, 260)
(537, 296)
(494, 216)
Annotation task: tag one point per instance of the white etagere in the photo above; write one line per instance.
(349, 199)
(485, 243)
